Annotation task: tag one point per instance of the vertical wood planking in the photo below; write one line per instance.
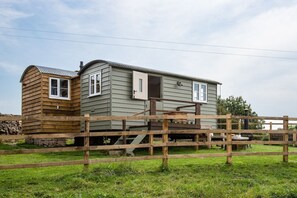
(286, 138)
(165, 141)
(229, 138)
(87, 142)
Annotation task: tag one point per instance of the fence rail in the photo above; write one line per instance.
(165, 144)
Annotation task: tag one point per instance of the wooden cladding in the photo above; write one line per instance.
(36, 102)
(31, 100)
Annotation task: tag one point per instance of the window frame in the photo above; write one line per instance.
(199, 92)
(58, 89)
(95, 84)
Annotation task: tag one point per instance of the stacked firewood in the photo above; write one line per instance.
(10, 127)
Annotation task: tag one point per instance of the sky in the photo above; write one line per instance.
(250, 46)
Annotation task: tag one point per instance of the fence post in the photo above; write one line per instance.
(198, 112)
(294, 137)
(208, 136)
(229, 138)
(286, 138)
(87, 142)
(270, 129)
(197, 141)
(151, 142)
(239, 124)
(124, 128)
(165, 141)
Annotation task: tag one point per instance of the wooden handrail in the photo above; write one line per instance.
(168, 111)
(137, 117)
(185, 106)
(174, 100)
(257, 117)
(142, 112)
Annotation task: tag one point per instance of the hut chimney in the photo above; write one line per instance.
(81, 65)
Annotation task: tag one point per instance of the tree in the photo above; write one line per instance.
(236, 106)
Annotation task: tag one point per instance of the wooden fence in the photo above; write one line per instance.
(164, 144)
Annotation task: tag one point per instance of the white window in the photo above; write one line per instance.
(59, 88)
(199, 92)
(95, 84)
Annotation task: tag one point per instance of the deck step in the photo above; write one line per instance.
(134, 140)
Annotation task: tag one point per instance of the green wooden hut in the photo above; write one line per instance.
(110, 88)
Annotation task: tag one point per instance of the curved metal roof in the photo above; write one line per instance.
(50, 70)
(137, 68)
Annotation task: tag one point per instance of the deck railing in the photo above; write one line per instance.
(196, 105)
(164, 144)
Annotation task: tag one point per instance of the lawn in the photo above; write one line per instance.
(259, 176)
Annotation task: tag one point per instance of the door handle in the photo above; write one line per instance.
(134, 91)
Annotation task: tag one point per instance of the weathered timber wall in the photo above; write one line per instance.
(60, 107)
(31, 99)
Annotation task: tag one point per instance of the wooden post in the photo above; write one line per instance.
(165, 141)
(198, 123)
(208, 140)
(124, 128)
(151, 142)
(197, 141)
(270, 128)
(286, 138)
(229, 138)
(294, 137)
(239, 124)
(197, 112)
(153, 108)
(87, 142)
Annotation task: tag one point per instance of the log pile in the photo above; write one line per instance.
(10, 127)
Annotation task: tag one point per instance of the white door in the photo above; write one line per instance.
(140, 86)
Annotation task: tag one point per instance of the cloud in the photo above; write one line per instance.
(266, 83)
(11, 68)
(9, 14)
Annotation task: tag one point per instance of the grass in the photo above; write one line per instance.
(260, 176)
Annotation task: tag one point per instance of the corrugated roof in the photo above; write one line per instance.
(61, 72)
(50, 70)
(143, 69)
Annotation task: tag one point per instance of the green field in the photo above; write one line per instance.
(261, 176)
